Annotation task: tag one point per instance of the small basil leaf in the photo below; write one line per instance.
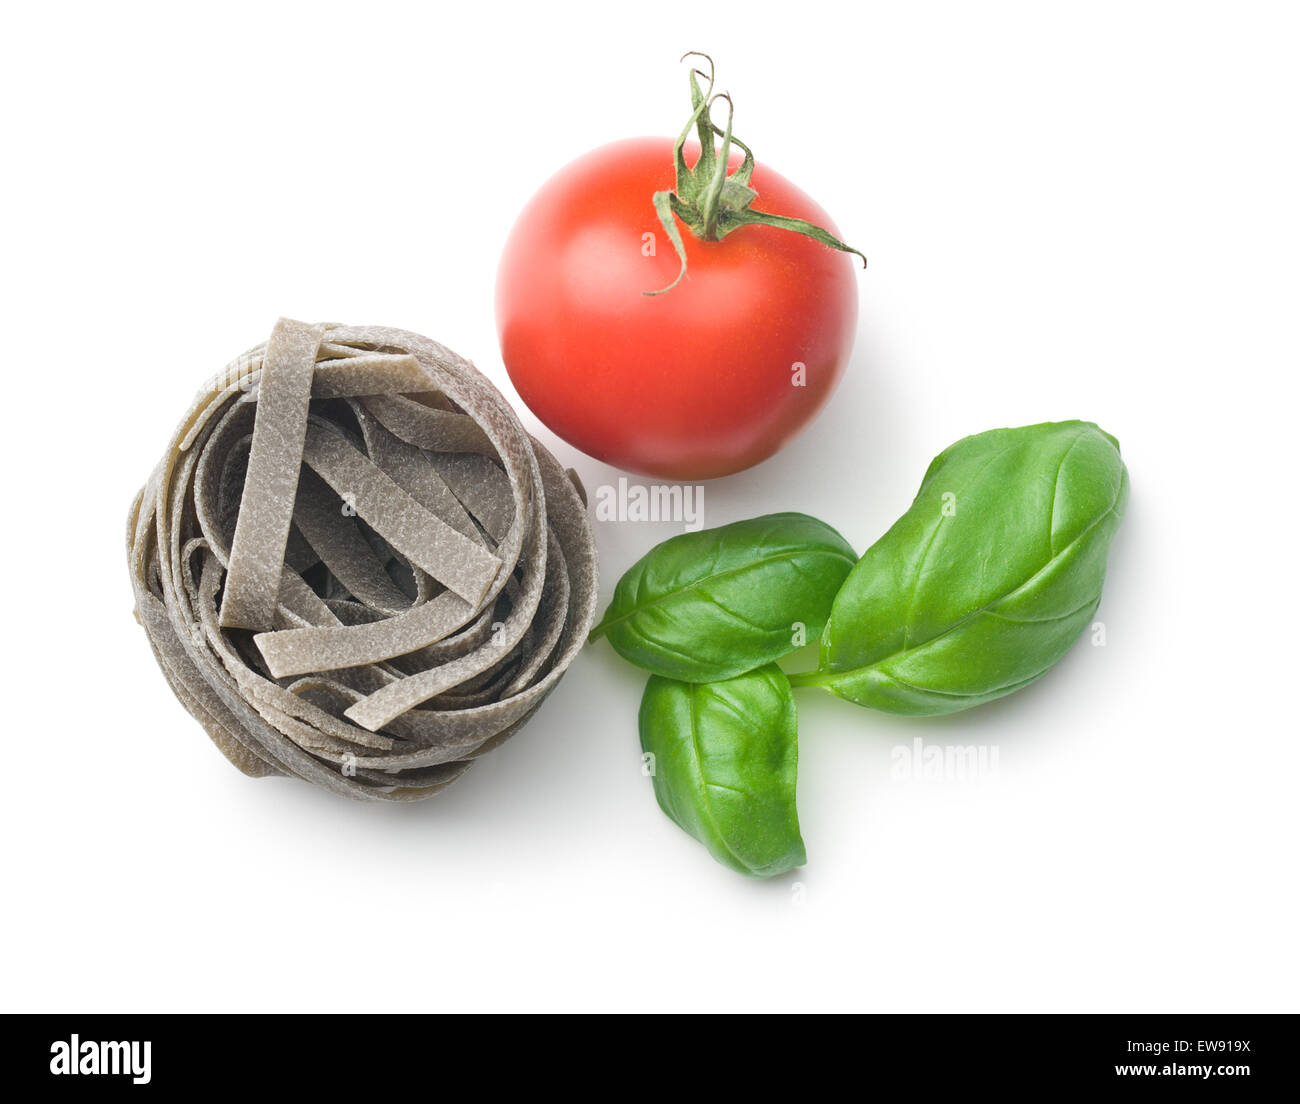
(726, 756)
(709, 605)
(987, 580)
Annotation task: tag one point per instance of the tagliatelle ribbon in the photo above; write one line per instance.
(354, 565)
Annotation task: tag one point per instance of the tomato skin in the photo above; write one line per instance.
(697, 382)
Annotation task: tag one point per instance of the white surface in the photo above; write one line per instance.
(1071, 211)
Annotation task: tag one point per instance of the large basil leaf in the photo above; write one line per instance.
(709, 605)
(725, 759)
(987, 579)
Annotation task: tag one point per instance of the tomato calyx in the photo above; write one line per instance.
(709, 200)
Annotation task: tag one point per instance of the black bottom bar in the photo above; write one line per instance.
(1221, 1055)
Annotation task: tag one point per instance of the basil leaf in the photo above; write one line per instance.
(726, 756)
(988, 578)
(713, 604)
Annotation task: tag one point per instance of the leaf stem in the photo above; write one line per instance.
(815, 677)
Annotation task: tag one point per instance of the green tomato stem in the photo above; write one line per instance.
(708, 200)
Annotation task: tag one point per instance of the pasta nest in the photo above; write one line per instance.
(355, 566)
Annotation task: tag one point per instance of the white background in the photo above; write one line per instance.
(1084, 210)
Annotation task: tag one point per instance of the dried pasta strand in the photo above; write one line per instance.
(425, 539)
(256, 555)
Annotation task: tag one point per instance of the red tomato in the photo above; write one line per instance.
(701, 381)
